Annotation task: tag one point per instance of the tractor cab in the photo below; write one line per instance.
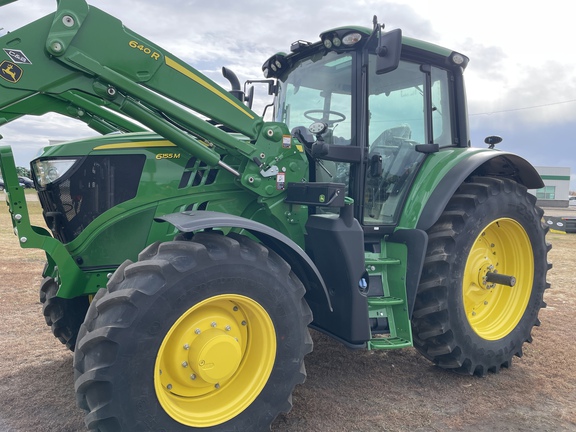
(367, 115)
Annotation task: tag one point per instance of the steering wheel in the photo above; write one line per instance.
(339, 115)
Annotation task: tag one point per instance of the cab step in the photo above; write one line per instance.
(393, 309)
(388, 343)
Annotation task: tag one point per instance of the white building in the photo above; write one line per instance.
(556, 186)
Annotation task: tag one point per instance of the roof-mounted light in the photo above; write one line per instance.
(459, 60)
(274, 65)
(351, 39)
(342, 38)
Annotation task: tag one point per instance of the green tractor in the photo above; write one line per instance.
(191, 246)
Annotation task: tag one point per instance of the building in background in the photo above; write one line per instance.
(556, 188)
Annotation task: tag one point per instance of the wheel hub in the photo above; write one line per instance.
(486, 268)
(215, 356)
(215, 360)
(498, 279)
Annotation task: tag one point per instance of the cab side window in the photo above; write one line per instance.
(407, 107)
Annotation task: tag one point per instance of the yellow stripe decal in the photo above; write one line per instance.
(142, 144)
(171, 63)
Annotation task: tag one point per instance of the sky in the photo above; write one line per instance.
(521, 80)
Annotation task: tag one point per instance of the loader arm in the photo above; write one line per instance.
(72, 105)
(82, 55)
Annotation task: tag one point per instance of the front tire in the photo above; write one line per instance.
(209, 333)
(64, 316)
(463, 321)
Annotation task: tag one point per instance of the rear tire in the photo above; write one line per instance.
(221, 301)
(64, 316)
(461, 321)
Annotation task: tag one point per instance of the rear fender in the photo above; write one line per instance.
(493, 163)
(300, 262)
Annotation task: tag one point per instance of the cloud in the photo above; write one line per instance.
(520, 73)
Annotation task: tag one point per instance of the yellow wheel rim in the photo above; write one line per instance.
(494, 310)
(215, 360)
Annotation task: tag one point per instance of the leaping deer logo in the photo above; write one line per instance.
(10, 72)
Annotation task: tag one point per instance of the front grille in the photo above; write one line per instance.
(93, 186)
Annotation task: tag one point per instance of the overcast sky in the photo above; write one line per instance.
(521, 80)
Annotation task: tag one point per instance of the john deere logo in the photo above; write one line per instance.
(10, 71)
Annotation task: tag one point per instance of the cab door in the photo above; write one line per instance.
(407, 109)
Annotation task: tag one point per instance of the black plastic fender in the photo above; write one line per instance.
(300, 262)
(416, 242)
(495, 163)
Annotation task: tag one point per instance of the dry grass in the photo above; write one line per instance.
(345, 391)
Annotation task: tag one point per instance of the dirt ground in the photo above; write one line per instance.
(345, 391)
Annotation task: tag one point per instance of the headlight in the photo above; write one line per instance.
(49, 170)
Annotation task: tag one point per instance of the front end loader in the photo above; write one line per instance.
(192, 246)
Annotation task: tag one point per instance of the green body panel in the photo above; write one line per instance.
(433, 170)
(124, 230)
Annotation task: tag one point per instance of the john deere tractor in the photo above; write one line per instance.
(192, 246)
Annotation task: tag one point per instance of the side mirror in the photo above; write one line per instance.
(249, 97)
(388, 51)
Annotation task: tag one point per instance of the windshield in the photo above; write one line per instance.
(319, 89)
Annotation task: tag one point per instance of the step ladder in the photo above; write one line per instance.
(393, 304)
